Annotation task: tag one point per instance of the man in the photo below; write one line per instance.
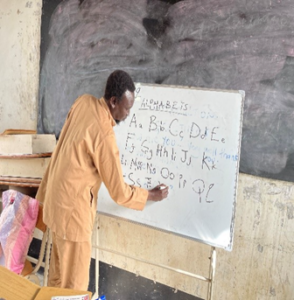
(85, 156)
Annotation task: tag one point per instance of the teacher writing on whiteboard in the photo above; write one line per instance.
(85, 156)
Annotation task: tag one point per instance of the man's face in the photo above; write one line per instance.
(120, 110)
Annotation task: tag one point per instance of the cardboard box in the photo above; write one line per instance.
(14, 287)
(23, 166)
(18, 144)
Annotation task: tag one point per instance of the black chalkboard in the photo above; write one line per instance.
(240, 45)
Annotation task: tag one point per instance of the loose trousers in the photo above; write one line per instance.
(69, 264)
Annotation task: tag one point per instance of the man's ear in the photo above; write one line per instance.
(113, 101)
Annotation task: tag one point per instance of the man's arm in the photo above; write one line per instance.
(107, 162)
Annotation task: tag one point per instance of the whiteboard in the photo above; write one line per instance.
(189, 139)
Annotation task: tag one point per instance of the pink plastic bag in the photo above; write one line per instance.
(17, 223)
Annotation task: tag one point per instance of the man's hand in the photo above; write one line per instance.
(158, 193)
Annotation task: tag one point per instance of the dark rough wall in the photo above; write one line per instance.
(230, 44)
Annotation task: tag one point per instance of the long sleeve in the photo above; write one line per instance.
(109, 168)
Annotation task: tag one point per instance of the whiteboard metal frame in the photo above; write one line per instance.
(212, 243)
(212, 257)
(209, 279)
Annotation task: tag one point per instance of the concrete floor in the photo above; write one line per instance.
(117, 284)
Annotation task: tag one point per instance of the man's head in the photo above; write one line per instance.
(119, 94)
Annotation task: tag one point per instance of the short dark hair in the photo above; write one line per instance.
(117, 84)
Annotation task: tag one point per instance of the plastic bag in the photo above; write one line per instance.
(17, 223)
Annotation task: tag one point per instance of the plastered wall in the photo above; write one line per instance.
(19, 63)
(261, 263)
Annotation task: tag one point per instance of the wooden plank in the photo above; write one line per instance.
(20, 179)
(21, 184)
(24, 156)
(13, 286)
